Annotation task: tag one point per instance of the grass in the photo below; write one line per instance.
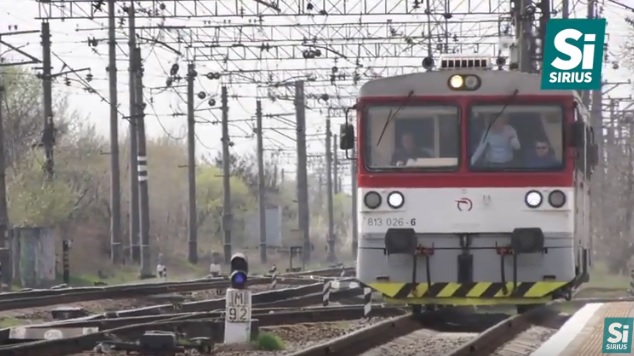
(10, 322)
(601, 278)
(269, 342)
(13, 322)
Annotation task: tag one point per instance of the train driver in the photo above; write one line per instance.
(409, 150)
(542, 157)
(498, 144)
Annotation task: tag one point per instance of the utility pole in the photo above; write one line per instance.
(329, 189)
(191, 165)
(353, 181)
(48, 133)
(594, 99)
(115, 175)
(135, 249)
(261, 186)
(144, 199)
(227, 216)
(302, 172)
(4, 208)
(523, 34)
(335, 166)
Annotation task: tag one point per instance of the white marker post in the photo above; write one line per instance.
(238, 316)
(238, 302)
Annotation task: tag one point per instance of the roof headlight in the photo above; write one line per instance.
(472, 82)
(456, 81)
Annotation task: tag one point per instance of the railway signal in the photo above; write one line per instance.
(238, 303)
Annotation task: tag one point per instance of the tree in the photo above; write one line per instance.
(246, 167)
(23, 112)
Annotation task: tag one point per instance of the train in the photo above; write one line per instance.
(473, 186)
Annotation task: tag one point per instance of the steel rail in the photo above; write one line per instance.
(307, 313)
(57, 291)
(364, 339)
(270, 298)
(41, 298)
(488, 341)
(71, 296)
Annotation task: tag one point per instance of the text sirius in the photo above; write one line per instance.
(573, 54)
(617, 335)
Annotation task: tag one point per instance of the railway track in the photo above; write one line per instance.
(454, 332)
(192, 324)
(202, 318)
(49, 297)
(432, 333)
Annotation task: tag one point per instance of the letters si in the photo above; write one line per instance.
(586, 58)
(618, 336)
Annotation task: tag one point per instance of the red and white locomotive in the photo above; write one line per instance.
(473, 186)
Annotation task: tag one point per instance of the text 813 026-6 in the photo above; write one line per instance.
(389, 222)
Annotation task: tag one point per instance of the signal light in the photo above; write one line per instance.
(238, 279)
(239, 270)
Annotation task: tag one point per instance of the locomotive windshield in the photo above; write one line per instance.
(417, 137)
(523, 137)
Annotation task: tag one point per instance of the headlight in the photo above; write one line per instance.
(456, 82)
(472, 82)
(557, 198)
(533, 199)
(395, 200)
(372, 200)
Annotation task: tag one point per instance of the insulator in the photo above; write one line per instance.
(174, 69)
(202, 95)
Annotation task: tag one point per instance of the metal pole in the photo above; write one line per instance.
(302, 173)
(191, 165)
(353, 180)
(586, 94)
(48, 134)
(66, 261)
(144, 199)
(115, 175)
(329, 194)
(135, 250)
(4, 208)
(227, 216)
(524, 34)
(261, 186)
(335, 167)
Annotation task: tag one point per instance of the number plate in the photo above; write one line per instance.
(238, 314)
(238, 306)
(371, 221)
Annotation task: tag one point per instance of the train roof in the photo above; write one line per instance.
(494, 82)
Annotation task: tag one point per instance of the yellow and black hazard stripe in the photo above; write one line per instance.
(467, 290)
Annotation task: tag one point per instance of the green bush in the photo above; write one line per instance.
(269, 342)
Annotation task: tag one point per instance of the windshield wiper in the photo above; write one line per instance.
(509, 100)
(392, 114)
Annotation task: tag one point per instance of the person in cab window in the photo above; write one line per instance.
(542, 157)
(498, 144)
(409, 150)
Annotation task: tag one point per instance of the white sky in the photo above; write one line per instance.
(70, 44)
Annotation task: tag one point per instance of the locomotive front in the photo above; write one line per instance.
(467, 189)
